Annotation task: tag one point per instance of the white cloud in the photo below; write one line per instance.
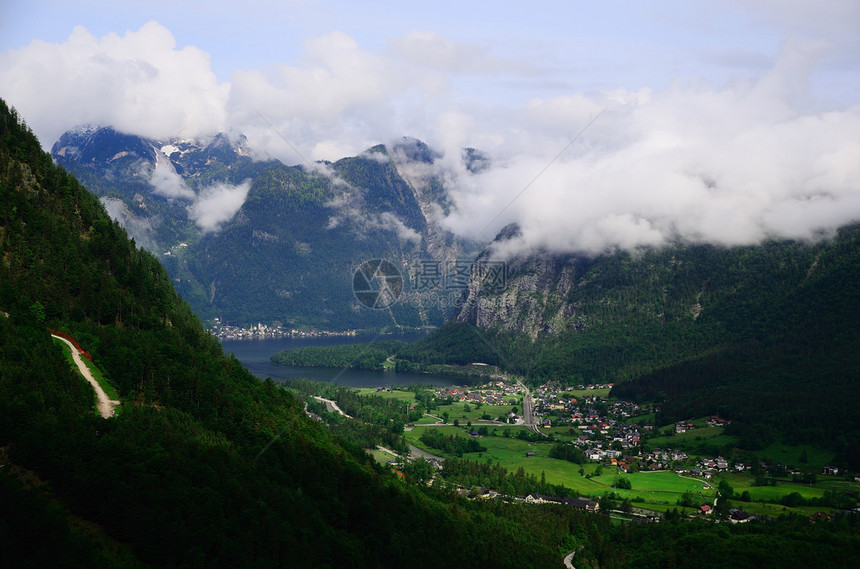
(726, 162)
(728, 166)
(217, 204)
(166, 182)
(138, 83)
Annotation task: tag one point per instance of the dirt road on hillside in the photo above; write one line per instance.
(105, 405)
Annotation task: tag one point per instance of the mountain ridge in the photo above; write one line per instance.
(351, 210)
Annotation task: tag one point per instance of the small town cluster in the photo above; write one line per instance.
(262, 331)
(605, 433)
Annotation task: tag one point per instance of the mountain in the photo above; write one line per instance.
(204, 465)
(766, 335)
(249, 241)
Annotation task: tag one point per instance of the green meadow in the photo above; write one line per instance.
(659, 491)
(698, 441)
(579, 393)
(405, 396)
(510, 452)
(792, 455)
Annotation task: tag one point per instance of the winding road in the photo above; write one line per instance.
(105, 405)
(568, 560)
(331, 406)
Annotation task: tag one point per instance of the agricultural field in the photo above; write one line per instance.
(457, 410)
(379, 456)
(579, 393)
(510, 453)
(405, 396)
(658, 487)
(778, 453)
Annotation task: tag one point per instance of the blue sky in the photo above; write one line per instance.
(758, 98)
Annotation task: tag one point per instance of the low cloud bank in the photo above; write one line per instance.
(750, 159)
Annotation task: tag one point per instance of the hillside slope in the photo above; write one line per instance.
(205, 465)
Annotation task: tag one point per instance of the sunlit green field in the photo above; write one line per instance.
(457, 410)
(744, 482)
(395, 394)
(659, 487)
(651, 490)
(578, 393)
(381, 457)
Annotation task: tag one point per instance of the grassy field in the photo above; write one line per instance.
(510, 452)
(779, 453)
(742, 482)
(562, 433)
(697, 442)
(657, 487)
(578, 393)
(457, 410)
(661, 508)
(405, 396)
(381, 457)
(108, 388)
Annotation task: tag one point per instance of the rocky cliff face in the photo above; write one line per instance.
(554, 294)
(533, 299)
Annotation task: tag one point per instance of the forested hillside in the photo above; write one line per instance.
(205, 465)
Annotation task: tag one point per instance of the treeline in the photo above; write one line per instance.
(450, 444)
(373, 355)
(369, 355)
(786, 542)
(376, 420)
(567, 452)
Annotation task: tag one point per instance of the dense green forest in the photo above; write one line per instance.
(370, 355)
(385, 354)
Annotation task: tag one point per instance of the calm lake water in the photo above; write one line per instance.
(255, 354)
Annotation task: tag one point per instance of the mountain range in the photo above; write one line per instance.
(249, 241)
(739, 331)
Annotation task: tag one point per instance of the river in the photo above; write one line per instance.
(255, 354)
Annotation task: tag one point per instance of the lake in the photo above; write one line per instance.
(255, 354)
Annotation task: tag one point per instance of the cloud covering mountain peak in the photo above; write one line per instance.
(756, 156)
